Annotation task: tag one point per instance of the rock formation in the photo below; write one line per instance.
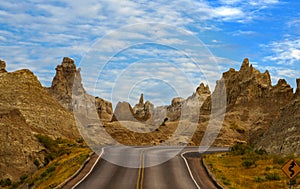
(297, 94)
(123, 112)
(283, 136)
(27, 109)
(2, 66)
(66, 81)
(68, 90)
(143, 111)
(18, 146)
(104, 109)
(251, 103)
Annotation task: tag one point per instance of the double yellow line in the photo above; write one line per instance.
(141, 173)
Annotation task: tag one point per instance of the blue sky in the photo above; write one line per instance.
(159, 48)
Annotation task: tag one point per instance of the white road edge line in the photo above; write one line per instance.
(187, 165)
(102, 151)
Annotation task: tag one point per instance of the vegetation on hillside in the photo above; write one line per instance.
(62, 159)
(244, 168)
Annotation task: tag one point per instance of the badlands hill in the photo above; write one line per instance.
(255, 112)
(27, 109)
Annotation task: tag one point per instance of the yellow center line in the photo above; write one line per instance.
(140, 180)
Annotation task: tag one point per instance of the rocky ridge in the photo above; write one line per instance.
(68, 90)
(283, 136)
(256, 112)
(2, 66)
(251, 103)
(26, 110)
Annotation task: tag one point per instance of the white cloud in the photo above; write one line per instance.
(284, 52)
(37, 35)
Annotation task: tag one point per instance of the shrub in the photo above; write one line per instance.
(258, 179)
(50, 169)
(23, 178)
(248, 163)
(225, 181)
(47, 159)
(36, 162)
(48, 142)
(6, 182)
(261, 152)
(272, 176)
(278, 160)
(14, 185)
(241, 149)
(268, 168)
(31, 184)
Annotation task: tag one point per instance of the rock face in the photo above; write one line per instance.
(104, 109)
(297, 94)
(123, 112)
(251, 103)
(27, 109)
(18, 146)
(283, 136)
(143, 111)
(66, 81)
(68, 90)
(2, 66)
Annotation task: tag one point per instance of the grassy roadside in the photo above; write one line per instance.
(246, 168)
(62, 158)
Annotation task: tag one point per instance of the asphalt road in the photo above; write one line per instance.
(144, 168)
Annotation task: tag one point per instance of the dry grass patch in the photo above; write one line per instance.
(249, 170)
(62, 159)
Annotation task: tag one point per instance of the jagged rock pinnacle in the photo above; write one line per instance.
(2, 66)
(141, 99)
(245, 64)
(202, 89)
(66, 82)
(297, 94)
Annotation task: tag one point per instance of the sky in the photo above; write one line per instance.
(160, 48)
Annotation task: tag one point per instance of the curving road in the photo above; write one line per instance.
(144, 168)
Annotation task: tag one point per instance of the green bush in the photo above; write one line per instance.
(278, 160)
(272, 176)
(261, 152)
(48, 142)
(50, 169)
(23, 178)
(14, 185)
(225, 181)
(268, 168)
(6, 182)
(258, 179)
(248, 163)
(240, 149)
(47, 159)
(36, 162)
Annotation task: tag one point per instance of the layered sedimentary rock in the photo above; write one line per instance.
(66, 81)
(283, 136)
(123, 112)
(2, 66)
(27, 109)
(251, 103)
(68, 90)
(142, 111)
